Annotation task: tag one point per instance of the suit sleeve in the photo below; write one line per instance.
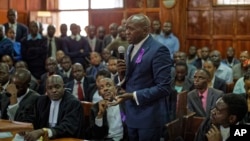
(96, 131)
(161, 69)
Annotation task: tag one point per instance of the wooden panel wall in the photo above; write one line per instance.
(22, 6)
(217, 27)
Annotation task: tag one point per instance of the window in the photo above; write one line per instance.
(73, 4)
(232, 2)
(106, 4)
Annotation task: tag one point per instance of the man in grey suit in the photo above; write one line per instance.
(202, 99)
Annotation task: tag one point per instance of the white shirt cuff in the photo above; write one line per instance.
(11, 111)
(135, 97)
(120, 82)
(50, 134)
(98, 122)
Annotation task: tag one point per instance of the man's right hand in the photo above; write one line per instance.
(121, 68)
(102, 108)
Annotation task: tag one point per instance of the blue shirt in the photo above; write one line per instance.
(38, 36)
(171, 42)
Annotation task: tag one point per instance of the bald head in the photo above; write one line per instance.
(56, 79)
(137, 28)
(23, 75)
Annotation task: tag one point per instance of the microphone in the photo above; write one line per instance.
(121, 51)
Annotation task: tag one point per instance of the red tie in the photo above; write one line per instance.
(80, 91)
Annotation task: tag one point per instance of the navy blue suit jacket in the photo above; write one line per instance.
(89, 87)
(150, 78)
(21, 31)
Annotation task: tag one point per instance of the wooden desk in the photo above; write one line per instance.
(14, 127)
(67, 139)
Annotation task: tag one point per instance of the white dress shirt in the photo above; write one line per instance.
(75, 88)
(11, 110)
(114, 123)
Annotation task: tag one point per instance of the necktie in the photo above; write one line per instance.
(50, 48)
(202, 102)
(79, 91)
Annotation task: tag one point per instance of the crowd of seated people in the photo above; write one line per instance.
(47, 73)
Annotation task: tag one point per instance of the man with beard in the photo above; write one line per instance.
(169, 39)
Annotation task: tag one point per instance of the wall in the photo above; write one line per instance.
(22, 6)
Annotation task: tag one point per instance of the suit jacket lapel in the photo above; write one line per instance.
(199, 102)
(132, 64)
(210, 98)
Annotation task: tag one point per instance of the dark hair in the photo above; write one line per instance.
(216, 64)
(181, 63)
(112, 58)
(207, 72)
(237, 105)
(104, 73)
(246, 76)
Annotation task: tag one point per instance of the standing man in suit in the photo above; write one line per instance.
(202, 99)
(54, 43)
(145, 74)
(113, 29)
(20, 29)
(94, 42)
(86, 84)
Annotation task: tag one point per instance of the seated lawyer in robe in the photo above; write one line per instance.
(107, 122)
(58, 113)
(20, 105)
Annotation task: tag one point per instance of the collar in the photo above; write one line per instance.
(55, 102)
(141, 42)
(225, 132)
(75, 37)
(38, 36)
(52, 39)
(76, 82)
(203, 94)
(19, 99)
(15, 24)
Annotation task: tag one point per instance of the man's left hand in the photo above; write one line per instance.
(33, 135)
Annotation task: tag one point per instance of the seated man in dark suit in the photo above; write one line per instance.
(107, 122)
(82, 87)
(20, 29)
(4, 82)
(229, 110)
(51, 67)
(202, 99)
(215, 82)
(33, 82)
(58, 113)
(20, 105)
(66, 70)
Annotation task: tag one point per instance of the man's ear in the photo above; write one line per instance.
(232, 119)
